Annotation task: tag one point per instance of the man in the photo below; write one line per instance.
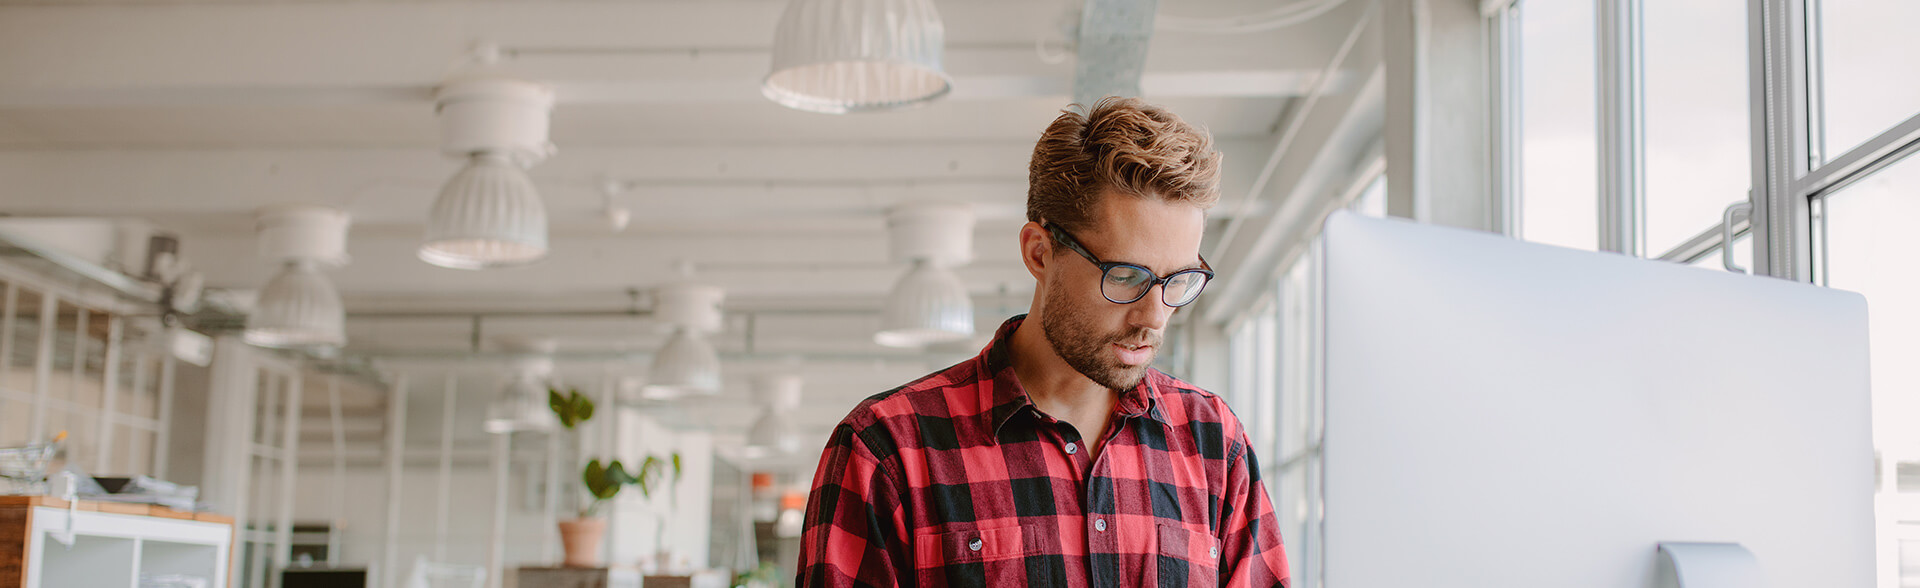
(1057, 457)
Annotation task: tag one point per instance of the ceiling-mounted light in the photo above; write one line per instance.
(489, 214)
(688, 364)
(929, 304)
(841, 56)
(776, 433)
(299, 307)
(522, 404)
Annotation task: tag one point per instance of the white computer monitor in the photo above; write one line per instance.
(1506, 414)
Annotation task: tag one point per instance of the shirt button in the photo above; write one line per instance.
(1099, 524)
(974, 544)
(1213, 552)
(1071, 448)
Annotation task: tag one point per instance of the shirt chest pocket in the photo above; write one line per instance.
(936, 549)
(1187, 557)
(976, 557)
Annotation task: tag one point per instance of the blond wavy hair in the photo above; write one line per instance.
(1125, 144)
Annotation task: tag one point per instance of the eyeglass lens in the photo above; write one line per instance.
(1125, 284)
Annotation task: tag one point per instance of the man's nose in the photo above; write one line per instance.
(1151, 311)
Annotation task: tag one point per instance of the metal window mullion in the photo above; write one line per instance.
(163, 438)
(497, 544)
(1816, 87)
(43, 365)
(1877, 153)
(269, 404)
(1503, 61)
(1778, 74)
(243, 465)
(1622, 181)
(335, 538)
(6, 336)
(396, 448)
(79, 369)
(552, 496)
(109, 401)
(443, 516)
(289, 448)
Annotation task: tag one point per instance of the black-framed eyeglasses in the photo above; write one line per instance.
(1125, 283)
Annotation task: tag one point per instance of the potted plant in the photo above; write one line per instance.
(581, 536)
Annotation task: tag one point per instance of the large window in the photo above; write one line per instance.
(1695, 83)
(1869, 247)
(68, 365)
(1866, 52)
(1668, 122)
(1558, 182)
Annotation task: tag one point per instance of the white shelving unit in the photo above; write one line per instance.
(111, 550)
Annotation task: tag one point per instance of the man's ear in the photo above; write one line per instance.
(1035, 246)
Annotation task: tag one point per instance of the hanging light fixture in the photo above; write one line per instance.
(841, 56)
(522, 404)
(688, 364)
(489, 214)
(775, 433)
(929, 304)
(299, 307)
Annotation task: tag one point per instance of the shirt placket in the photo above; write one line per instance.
(1103, 532)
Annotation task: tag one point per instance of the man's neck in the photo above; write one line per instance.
(1056, 388)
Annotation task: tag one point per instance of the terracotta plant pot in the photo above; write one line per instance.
(581, 539)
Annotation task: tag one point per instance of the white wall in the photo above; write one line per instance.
(686, 510)
(469, 526)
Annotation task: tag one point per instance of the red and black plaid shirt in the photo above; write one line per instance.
(959, 480)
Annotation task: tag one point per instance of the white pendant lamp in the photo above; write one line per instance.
(522, 403)
(929, 304)
(688, 365)
(299, 308)
(841, 56)
(775, 433)
(489, 215)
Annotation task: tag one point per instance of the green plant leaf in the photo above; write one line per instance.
(618, 473)
(676, 467)
(649, 476)
(582, 406)
(603, 482)
(558, 403)
(571, 407)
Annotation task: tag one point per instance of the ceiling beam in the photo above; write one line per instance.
(1246, 83)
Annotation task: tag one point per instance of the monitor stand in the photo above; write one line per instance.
(1708, 565)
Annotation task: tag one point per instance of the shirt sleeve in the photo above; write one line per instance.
(853, 535)
(1250, 550)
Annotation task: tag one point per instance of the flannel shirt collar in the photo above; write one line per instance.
(1000, 388)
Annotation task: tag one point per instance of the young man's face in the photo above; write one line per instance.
(1113, 344)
